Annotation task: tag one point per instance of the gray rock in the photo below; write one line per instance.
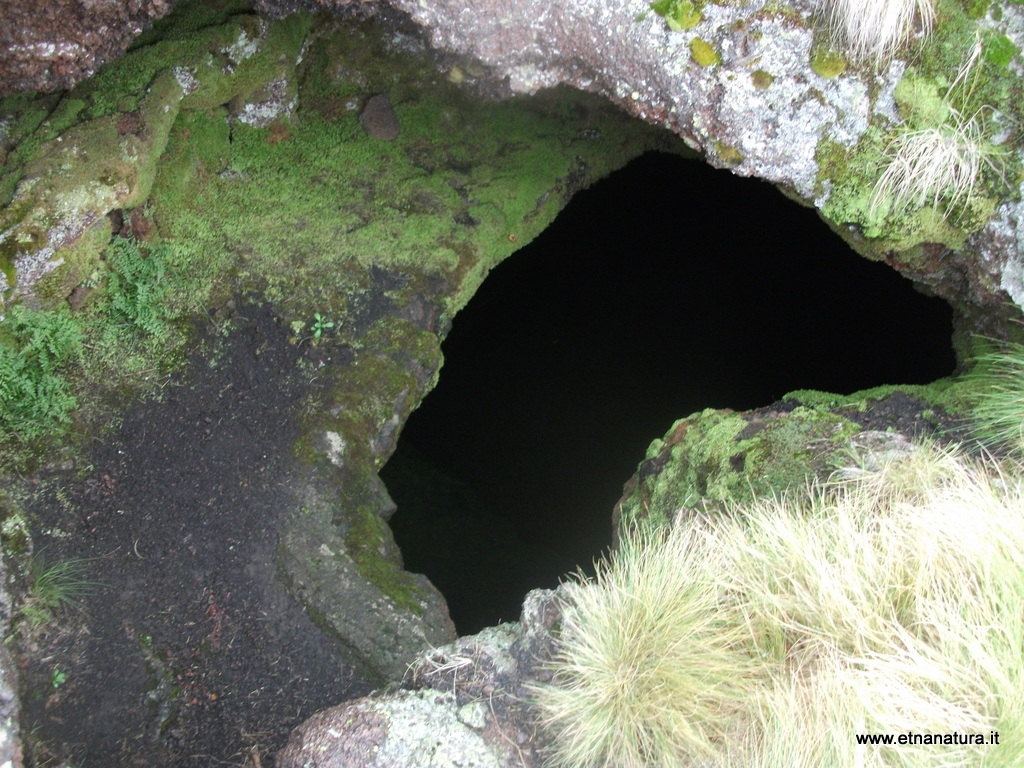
(465, 704)
(10, 741)
(344, 566)
(378, 118)
(772, 127)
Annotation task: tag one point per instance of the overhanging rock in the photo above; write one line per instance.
(757, 88)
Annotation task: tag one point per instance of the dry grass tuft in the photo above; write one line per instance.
(872, 30)
(933, 166)
(940, 164)
(883, 602)
(649, 670)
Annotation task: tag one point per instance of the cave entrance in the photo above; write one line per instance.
(664, 289)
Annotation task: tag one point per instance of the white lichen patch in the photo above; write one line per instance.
(1010, 218)
(1012, 281)
(276, 101)
(424, 729)
(335, 448)
(474, 714)
(245, 47)
(884, 104)
(1000, 249)
(186, 79)
(773, 131)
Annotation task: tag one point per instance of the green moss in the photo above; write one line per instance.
(852, 175)
(694, 463)
(310, 213)
(21, 117)
(790, 450)
(716, 459)
(827, 63)
(81, 259)
(728, 155)
(977, 9)
(463, 186)
(761, 79)
(15, 536)
(704, 53)
(223, 62)
(999, 50)
(947, 394)
(90, 169)
(678, 14)
(991, 86)
(921, 100)
(189, 17)
(396, 366)
(929, 96)
(366, 543)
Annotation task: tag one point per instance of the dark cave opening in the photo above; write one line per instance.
(664, 289)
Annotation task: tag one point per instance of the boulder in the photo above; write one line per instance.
(465, 703)
(51, 46)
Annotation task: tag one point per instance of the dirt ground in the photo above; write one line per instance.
(186, 651)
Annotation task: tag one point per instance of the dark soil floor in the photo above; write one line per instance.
(186, 651)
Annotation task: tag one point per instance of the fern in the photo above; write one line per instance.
(136, 287)
(36, 350)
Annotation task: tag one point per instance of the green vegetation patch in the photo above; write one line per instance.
(718, 457)
(827, 63)
(704, 53)
(365, 541)
(679, 14)
(714, 459)
(851, 605)
(997, 397)
(136, 285)
(302, 209)
(37, 347)
(955, 156)
(309, 212)
(999, 50)
(762, 80)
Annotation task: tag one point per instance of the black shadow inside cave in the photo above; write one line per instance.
(666, 288)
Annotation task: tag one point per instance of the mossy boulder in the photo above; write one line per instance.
(74, 180)
(714, 460)
(341, 561)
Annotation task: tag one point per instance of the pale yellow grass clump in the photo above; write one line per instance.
(934, 165)
(873, 30)
(884, 602)
(649, 670)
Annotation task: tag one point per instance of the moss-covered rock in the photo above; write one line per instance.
(826, 129)
(717, 459)
(340, 560)
(75, 179)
